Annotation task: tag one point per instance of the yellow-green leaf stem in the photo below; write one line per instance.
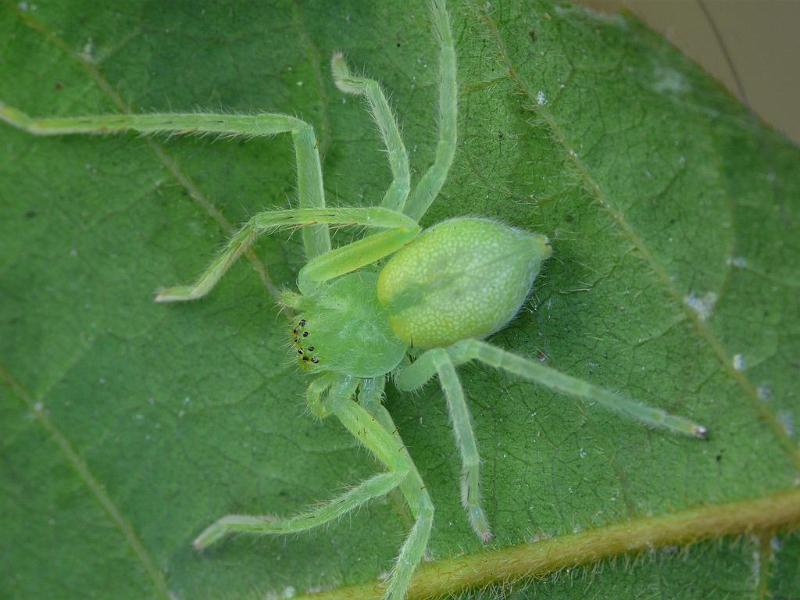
(768, 514)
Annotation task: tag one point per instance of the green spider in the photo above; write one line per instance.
(427, 310)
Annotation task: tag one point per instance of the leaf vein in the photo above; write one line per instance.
(94, 486)
(169, 162)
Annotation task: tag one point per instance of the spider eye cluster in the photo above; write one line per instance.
(300, 340)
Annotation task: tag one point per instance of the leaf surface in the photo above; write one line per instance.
(126, 427)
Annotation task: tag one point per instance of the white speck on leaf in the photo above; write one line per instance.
(668, 80)
(756, 565)
(787, 420)
(87, 53)
(764, 393)
(702, 305)
(740, 262)
(738, 362)
(541, 99)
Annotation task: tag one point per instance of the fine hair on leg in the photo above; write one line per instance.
(536, 372)
(395, 196)
(438, 362)
(267, 221)
(432, 181)
(316, 238)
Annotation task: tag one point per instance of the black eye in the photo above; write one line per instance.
(305, 334)
(311, 348)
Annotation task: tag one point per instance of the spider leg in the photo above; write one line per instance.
(374, 487)
(378, 434)
(467, 350)
(431, 183)
(438, 362)
(395, 196)
(370, 395)
(267, 221)
(315, 392)
(340, 389)
(316, 239)
(333, 395)
(353, 256)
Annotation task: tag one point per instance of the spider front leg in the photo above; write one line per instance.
(372, 488)
(316, 239)
(438, 362)
(376, 430)
(332, 394)
(326, 266)
(340, 389)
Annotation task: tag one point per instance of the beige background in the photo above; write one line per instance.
(761, 39)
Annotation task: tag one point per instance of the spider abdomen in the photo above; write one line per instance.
(463, 278)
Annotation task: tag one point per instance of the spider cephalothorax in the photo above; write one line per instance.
(440, 292)
(342, 325)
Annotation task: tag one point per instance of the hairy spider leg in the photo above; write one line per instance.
(378, 434)
(340, 389)
(355, 255)
(315, 394)
(432, 181)
(375, 487)
(395, 196)
(438, 362)
(326, 266)
(464, 351)
(372, 426)
(370, 395)
(316, 239)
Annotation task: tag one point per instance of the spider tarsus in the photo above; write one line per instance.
(701, 432)
(164, 296)
(179, 294)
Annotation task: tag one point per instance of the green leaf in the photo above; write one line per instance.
(126, 427)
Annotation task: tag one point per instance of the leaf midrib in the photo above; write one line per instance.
(765, 514)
